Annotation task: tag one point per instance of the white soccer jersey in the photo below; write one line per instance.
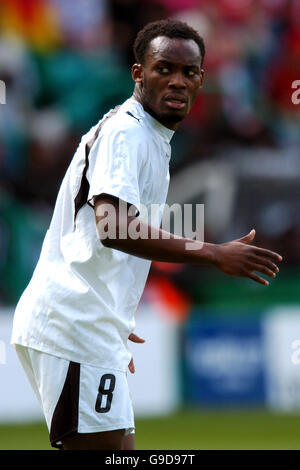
(82, 298)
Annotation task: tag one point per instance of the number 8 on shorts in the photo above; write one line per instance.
(105, 393)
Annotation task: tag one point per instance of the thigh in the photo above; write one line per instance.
(110, 440)
(129, 442)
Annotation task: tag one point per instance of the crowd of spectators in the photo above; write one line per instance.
(66, 62)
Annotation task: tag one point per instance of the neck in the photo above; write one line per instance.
(137, 95)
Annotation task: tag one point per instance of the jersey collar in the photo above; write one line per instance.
(137, 110)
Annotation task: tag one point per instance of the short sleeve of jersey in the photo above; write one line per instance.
(114, 166)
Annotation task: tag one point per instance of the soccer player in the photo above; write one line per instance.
(72, 323)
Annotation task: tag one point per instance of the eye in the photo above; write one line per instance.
(190, 73)
(163, 69)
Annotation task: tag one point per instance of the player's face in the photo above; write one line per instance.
(169, 80)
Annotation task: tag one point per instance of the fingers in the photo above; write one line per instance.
(258, 279)
(131, 366)
(264, 270)
(270, 271)
(135, 338)
(267, 263)
(268, 254)
(263, 266)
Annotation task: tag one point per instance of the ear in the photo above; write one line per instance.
(137, 73)
(201, 77)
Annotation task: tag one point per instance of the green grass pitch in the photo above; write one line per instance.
(188, 429)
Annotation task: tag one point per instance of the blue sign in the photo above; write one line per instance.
(224, 361)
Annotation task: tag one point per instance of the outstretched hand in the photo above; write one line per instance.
(239, 258)
(135, 339)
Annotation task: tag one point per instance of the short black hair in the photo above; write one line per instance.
(170, 28)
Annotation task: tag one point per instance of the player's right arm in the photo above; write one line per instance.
(236, 258)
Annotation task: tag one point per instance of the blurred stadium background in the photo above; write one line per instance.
(220, 369)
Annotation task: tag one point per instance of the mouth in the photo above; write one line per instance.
(175, 102)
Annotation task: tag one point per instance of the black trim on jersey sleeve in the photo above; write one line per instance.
(82, 196)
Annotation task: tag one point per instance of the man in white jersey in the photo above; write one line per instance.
(72, 323)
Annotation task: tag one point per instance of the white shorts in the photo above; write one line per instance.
(77, 398)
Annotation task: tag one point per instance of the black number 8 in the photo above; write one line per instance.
(108, 392)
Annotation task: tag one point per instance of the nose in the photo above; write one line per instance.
(177, 80)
